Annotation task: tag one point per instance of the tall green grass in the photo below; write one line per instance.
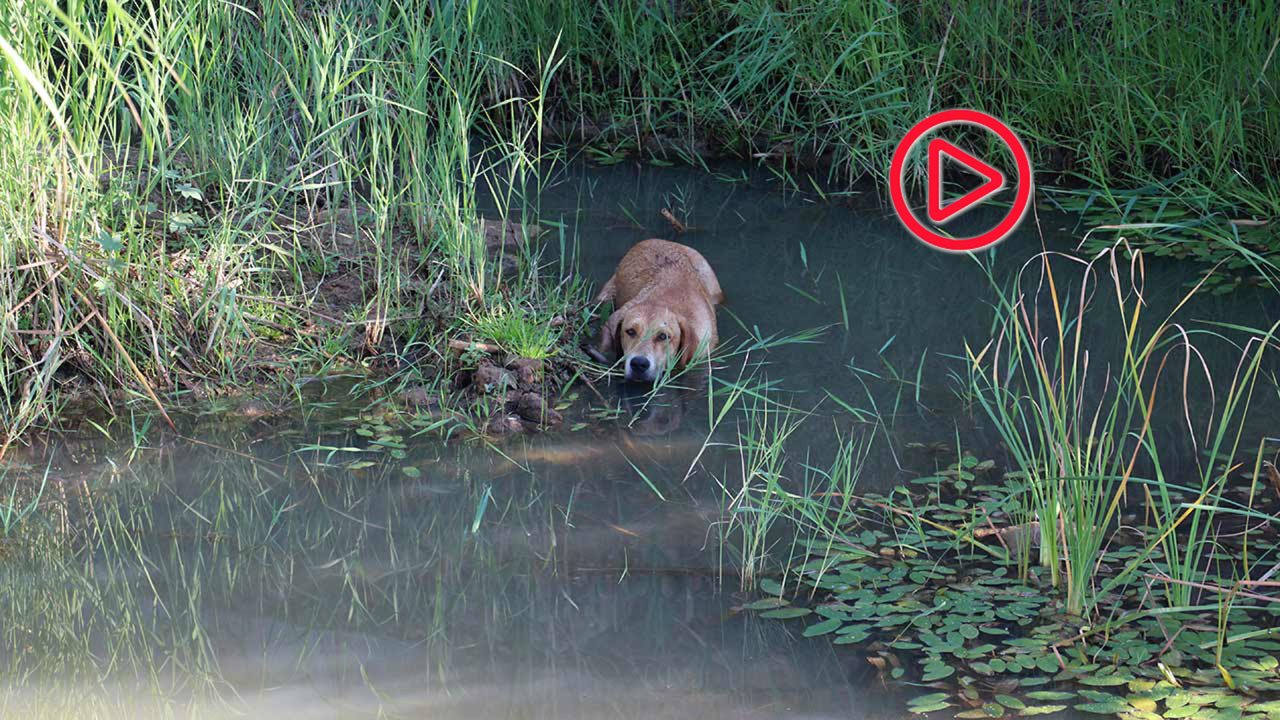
(1079, 421)
(181, 186)
(1181, 93)
(1123, 422)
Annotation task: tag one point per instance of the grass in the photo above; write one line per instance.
(1133, 512)
(198, 196)
(191, 189)
(516, 331)
(14, 511)
(1185, 94)
(1080, 423)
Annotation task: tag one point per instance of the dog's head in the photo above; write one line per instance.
(649, 337)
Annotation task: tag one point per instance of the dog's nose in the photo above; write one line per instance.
(639, 364)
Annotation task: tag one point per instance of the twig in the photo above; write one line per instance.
(465, 345)
(237, 453)
(1220, 589)
(675, 224)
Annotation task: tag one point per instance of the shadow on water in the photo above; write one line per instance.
(283, 569)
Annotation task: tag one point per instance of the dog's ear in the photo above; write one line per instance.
(690, 340)
(609, 335)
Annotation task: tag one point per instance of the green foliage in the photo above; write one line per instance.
(1104, 93)
(181, 189)
(1103, 557)
(1078, 426)
(914, 578)
(516, 330)
(190, 193)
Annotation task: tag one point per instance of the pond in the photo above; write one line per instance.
(277, 566)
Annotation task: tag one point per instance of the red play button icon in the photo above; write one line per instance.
(940, 211)
(928, 229)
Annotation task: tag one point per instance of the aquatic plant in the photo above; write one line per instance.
(1078, 420)
(1119, 546)
(923, 581)
(1166, 220)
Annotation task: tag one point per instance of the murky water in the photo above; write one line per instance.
(897, 314)
(268, 571)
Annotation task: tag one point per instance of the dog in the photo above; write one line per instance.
(665, 296)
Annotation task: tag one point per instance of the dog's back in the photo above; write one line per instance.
(655, 266)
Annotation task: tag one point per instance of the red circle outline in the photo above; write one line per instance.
(1021, 201)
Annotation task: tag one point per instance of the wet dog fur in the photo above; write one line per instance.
(665, 296)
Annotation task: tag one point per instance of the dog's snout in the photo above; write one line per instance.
(639, 364)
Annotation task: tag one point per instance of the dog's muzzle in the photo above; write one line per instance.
(639, 369)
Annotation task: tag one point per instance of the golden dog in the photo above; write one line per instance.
(665, 296)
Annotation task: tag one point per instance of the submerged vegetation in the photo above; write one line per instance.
(330, 570)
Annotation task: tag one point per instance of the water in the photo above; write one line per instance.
(286, 586)
(260, 573)
(892, 346)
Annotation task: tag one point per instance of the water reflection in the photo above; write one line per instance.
(260, 575)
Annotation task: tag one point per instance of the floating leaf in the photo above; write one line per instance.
(932, 702)
(786, 613)
(857, 635)
(1114, 707)
(769, 586)
(822, 628)
(1032, 710)
(1051, 695)
(1048, 663)
(1010, 702)
(936, 670)
(1104, 680)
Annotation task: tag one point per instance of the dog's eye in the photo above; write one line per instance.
(662, 337)
(631, 332)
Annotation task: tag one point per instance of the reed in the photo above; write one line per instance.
(1079, 421)
(191, 190)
